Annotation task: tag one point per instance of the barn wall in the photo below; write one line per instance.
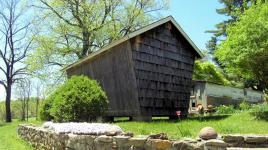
(163, 64)
(114, 71)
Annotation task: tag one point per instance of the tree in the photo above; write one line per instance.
(14, 46)
(233, 9)
(38, 95)
(245, 51)
(72, 29)
(24, 91)
(208, 72)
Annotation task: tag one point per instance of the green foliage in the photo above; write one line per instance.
(222, 109)
(245, 51)
(78, 99)
(16, 109)
(244, 106)
(70, 30)
(44, 112)
(208, 72)
(260, 112)
(233, 9)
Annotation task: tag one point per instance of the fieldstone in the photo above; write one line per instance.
(162, 136)
(185, 145)
(137, 142)
(121, 140)
(104, 142)
(104, 138)
(128, 134)
(158, 144)
(208, 133)
(215, 144)
(234, 140)
(256, 139)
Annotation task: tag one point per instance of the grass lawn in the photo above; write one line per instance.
(242, 123)
(9, 139)
(238, 123)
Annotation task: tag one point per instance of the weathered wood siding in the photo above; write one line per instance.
(114, 71)
(163, 64)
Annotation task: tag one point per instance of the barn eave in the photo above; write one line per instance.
(136, 33)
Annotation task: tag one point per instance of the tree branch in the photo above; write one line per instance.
(59, 15)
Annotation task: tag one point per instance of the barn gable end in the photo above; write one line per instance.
(163, 64)
(147, 73)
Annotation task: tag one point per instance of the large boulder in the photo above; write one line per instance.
(208, 133)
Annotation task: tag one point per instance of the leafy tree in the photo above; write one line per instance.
(14, 46)
(232, 9)
(208, 72)
(78, 99)
(72, 29)
(245, 51)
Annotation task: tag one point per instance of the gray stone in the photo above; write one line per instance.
(256, 139)
(137, 142)
(162, 136)
(158, 144)
(121, 140)
(185, 145)
(233, 140)
(104, 138)
(215, 144)
(208, 133)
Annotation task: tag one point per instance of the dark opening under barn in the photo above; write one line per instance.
(146, 73)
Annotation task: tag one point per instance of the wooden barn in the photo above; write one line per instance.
(146, 73)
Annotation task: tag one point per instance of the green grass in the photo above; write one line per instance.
(242, 123)
(9, 139)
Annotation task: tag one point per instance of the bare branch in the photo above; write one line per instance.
(3, 83)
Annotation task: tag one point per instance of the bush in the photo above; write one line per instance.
(78, 99)
(222, 109)
(244, 106)
(44, 111)
(260, 111)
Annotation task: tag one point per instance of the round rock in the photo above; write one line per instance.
(208, 133)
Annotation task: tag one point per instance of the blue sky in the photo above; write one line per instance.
(194, 16)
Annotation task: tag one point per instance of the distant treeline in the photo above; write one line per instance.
(20, 112)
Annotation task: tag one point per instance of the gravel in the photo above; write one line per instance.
(83, 128)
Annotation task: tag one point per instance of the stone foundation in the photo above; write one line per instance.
(41, 138)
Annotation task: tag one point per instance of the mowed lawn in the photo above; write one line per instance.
(242, 123)
(9, 139)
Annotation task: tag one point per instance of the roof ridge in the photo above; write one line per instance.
(134, 34)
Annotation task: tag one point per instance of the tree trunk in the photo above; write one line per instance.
(37, 105)
(8, 99)
(27, 109)
(23, 109)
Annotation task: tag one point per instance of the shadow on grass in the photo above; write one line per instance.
(165, 119)
(209, 118)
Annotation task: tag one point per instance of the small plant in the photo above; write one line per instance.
(78, 99)
(244, 106)
(260, 111)
(222, 109)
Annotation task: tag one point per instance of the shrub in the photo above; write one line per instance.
(260, 111)
(244, 106)
(78, 99)
(222, 109)
(44, 112)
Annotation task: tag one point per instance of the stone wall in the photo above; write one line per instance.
(41, 138)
